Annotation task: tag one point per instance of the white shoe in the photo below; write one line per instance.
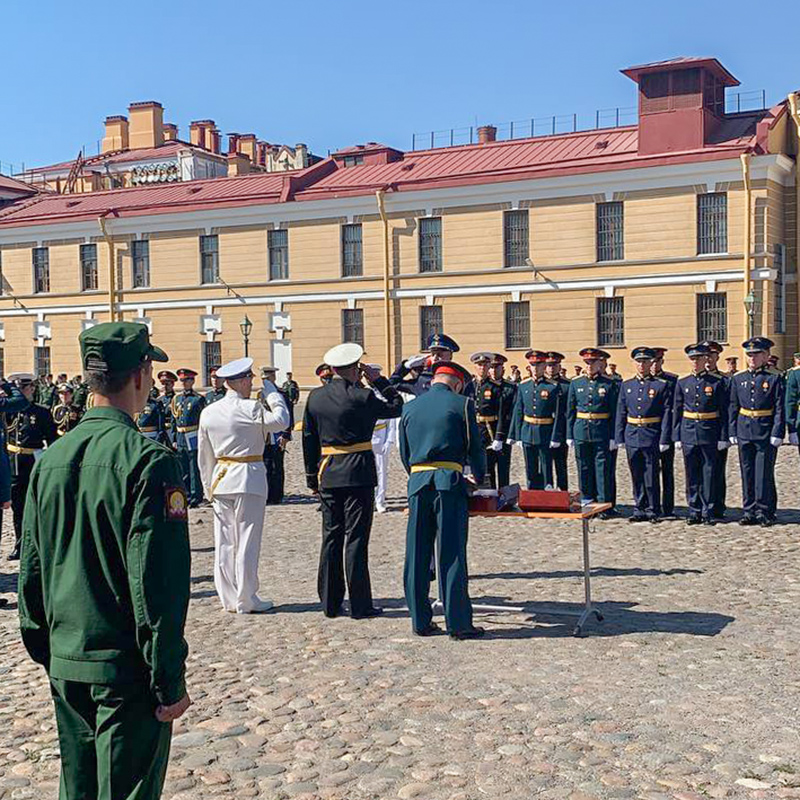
(260, 607)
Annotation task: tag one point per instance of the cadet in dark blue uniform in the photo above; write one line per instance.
(643, 425)
(407, 375)
(441, 348)
(438, 436)
(509, 395)
(591, 414)
(700, 430)
(538, 422)
(167, 379)
(217, 390)
(186, 409)
(757, 425)
(488, 401)
(721, 465)
(666, 458)
(552, 372)
(150, 420)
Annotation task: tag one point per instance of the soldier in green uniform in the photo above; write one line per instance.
(186, 408)
(28, 432)
(80, 392)
(150, 420)
(104, 580)
(552, 371)
(46, 393)
(218, 390)
(438, 437)
(488, 399)
(167, 380)
(591, 414)
(291, 389)
(792, 400)
(509, 395)
(66, 414)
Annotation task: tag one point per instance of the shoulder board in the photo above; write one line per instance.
(525, 380)
(508, 382)
(792, 369)
(656, 378)
(741, 372)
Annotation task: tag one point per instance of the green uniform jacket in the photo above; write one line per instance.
(792, 399)
(596, 395)
(104, 577)
(440, 425)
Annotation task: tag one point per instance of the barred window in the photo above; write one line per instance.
(430, 244)
(712, 317)
(209, 259)
(518, 325)
(41, 361)
(431, 320)
(278, 244)
(88, 267)
(41, 270)
(353, 325)
(140, 253)
(2, 363)
(212, 357)
(352, 255)
(779, 263)
(515, 238)
(712, 223)
(610, 232)
(610, 322)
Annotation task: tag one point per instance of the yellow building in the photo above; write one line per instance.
(649, 234)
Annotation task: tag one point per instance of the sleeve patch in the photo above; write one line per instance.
(175, 503)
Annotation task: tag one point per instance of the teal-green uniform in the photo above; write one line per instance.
(554, 359)
(438, 436)
(104, 588)
(80, 395)
(168, 379)
(591, 414)
(212, 395)
(792, 402)
(186, 408)
(46, 395)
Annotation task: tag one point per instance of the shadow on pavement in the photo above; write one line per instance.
(9, 582)
(597, 572)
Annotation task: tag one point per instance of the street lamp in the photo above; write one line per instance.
(245, 326)
(750, 303)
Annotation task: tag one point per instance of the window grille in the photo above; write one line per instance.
(278, 242)
(518, 325)
(353, 325)
(712, 223)
(41, 360)
(209, 259)
(352, 254)
(41, 270)
(212, 357)
(515, 238)
(140, 252)
(610, 232)
(712, 317)
(430, 244)
(88, 267)
(779, 262)
(2, 363)
(610, 322)
(431, 320)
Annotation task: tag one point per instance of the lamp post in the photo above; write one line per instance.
(750, 306)
(245, 326)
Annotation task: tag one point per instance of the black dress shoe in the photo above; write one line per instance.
(3, 602)
(653, 519)
(333, 614)
(637, 518)
(718, 514)
(765, 522)
(13, 555)
(429, 630)
(604, 515)
(747, 519)
(710, 521)
(369, 613)
(469, 633)
(694, 520)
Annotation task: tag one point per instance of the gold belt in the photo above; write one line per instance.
(539, 420)
(643, 420)
(701, 414)
(482, 418)
(188, 429)
(592, 415)
(23, 451)
(239, 459)
(339, 450)
(381, 427)
(431, 465)
(148, 429)
(757, 412)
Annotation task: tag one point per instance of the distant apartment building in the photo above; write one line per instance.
(681, 227)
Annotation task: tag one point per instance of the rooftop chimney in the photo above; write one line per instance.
(238, 164)
(215, 140)
(116, 137)
(247, 146)
(200, 133)
(233, 143)
(681, 103)
(146, 124)
(261, 152)
(487, 133)
(170, 132)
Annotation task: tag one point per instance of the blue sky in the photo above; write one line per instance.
(335, 74)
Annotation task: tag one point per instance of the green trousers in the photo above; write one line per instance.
(112, 746)
(432, 512)
(538, 465)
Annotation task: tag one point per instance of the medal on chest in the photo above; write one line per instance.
(709, 390)
(651, 393)
(487, 394)
(601, 391)
(544, 393)
(765, 385)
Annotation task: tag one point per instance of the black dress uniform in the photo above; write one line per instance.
(700, 424)
(274, 456)
(757, 425)
(591, 415)
(666, 458)
(503, 458)
(66, 416)
(643, 425)
(491, 424)
(150, 420)
(186, 409)
(28, 432)
(337, 450)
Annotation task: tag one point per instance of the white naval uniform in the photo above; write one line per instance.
(236, 428)
(383, 437)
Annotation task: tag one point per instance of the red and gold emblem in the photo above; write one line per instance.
(176, 505)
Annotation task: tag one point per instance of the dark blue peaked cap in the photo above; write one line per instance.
(443, 341)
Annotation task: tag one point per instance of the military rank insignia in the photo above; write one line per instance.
(176, 504)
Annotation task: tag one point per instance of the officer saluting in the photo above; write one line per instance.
(643, 426)
(700, 429)
(438, 436)
(757, 425)
(186, 409)
(104, 580)
(338, 425)
(591, 410)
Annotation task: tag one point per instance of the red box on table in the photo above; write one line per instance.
(543, 500)
(482, 503)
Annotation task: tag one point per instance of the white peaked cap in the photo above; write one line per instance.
(235, 369)
(344, 355)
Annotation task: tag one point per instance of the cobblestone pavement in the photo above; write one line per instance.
(688, 690)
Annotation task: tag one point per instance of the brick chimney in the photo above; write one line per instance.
(170, 132)
(146, 124)
(681, 103)
(116, 137)
(238, 164)
(487, 133)
(247, 146)
(215, 140)
(261, 152)
(200, 133)
(233, 143)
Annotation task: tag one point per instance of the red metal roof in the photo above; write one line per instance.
(682, 62)
(15, 187)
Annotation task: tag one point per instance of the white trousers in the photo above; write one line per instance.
(382, 466)
(238, 522)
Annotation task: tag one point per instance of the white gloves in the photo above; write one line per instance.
(679, 445)
(612, 445)
(555, 445)
(775, 441)
(496, 446)
(570, 443)
(662, 448)
(723, 445)
(268, 388)
(511, 441)
(794, 439)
